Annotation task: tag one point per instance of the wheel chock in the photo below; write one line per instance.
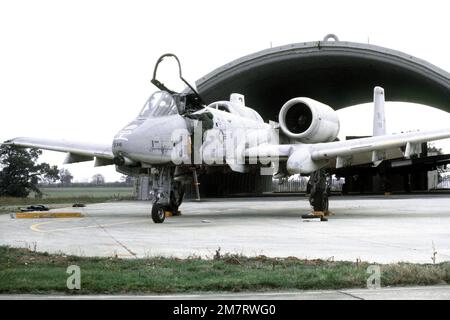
(319, 213)
(168, 213)
(172, 214)
(314, 216)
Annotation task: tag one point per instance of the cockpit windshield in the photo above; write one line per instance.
(160, 103)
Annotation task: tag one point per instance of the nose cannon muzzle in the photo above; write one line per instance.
(123, 161)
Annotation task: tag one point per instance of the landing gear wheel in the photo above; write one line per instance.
(158, 213)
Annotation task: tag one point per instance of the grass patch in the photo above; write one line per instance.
(25, 271)
(91, 192)
(67, 196)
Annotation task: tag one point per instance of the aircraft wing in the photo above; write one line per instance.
(379, 143)
(307, 158)
(76, 151)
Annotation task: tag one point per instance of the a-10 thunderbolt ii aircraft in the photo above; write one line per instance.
(175, 136)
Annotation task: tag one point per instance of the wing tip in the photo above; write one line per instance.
(12, 141)
(7, 142)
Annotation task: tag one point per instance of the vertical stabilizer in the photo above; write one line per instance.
(379, 117)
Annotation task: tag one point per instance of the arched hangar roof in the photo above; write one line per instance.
(337, 73)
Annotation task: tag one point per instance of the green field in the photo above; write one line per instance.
(94, 192)
(63, 197)
(25, 271)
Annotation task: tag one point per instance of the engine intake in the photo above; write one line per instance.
(308, 121)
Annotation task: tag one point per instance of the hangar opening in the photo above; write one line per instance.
(337, 73)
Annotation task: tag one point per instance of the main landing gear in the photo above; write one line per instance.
(167, 194)
(318, 196)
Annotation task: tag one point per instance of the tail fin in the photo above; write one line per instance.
(379, 122)
(379, 117)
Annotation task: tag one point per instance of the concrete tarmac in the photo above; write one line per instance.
(399, 293)
(370, 228)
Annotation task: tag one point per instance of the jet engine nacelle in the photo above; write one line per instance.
(308, 121)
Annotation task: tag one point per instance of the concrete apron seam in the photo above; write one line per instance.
(112, 237)
(350, 295)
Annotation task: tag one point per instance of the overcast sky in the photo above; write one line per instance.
(81, 69)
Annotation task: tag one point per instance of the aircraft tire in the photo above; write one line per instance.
(158, 213)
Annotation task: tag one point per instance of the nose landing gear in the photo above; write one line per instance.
(167, 194)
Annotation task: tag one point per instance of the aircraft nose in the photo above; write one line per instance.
(120, 151)
(121, 142)
(119, 145)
